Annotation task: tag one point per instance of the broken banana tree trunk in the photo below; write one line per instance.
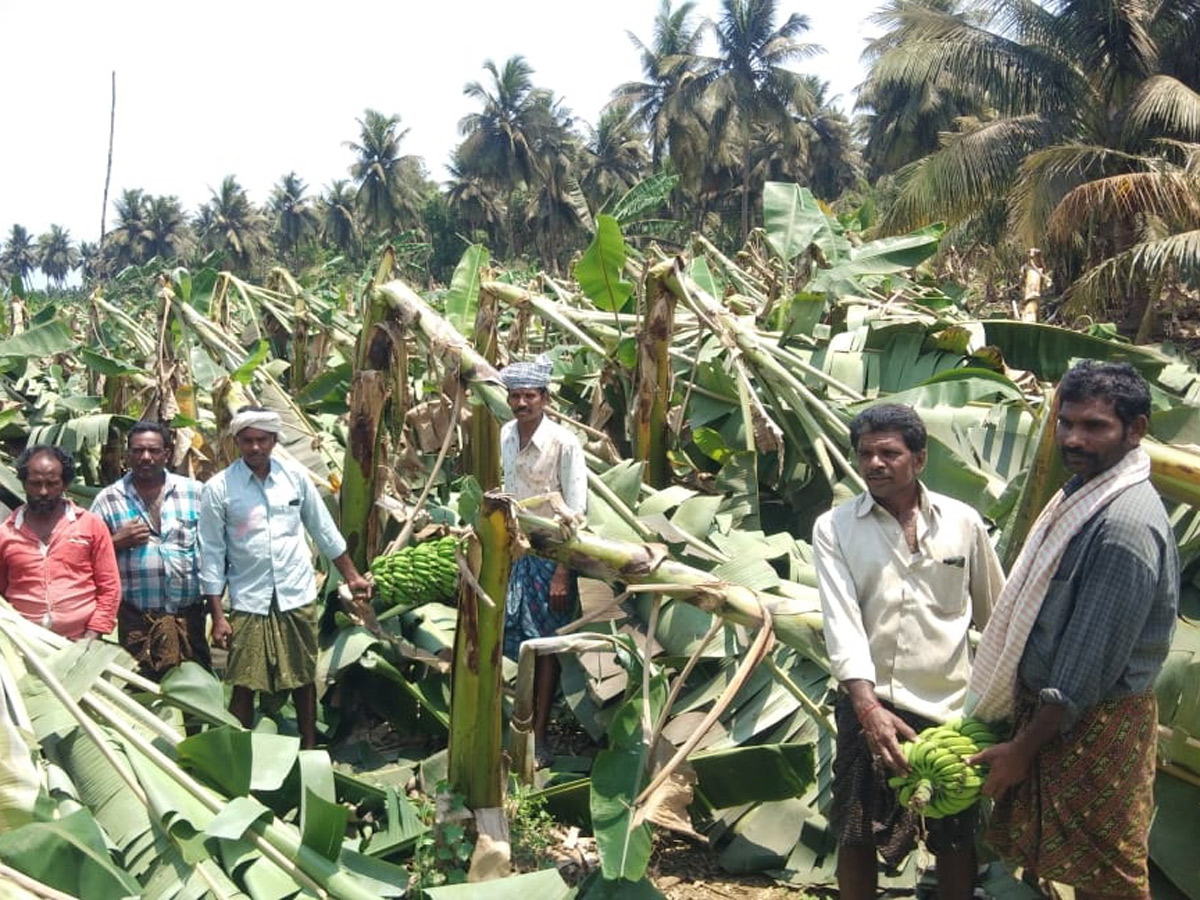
(477, 676)
(364, 456)
(796, 618)
(475, 728)
(449, 347)
(652, 385)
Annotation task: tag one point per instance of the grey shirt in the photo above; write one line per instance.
(1105, 625)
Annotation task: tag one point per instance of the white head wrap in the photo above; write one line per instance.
(262, 419)
(534, 374)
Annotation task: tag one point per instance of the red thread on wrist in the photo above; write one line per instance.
(870, 709)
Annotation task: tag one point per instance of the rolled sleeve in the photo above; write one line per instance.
(318, 521)
(845, 635)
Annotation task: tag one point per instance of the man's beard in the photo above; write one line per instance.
(43, 504)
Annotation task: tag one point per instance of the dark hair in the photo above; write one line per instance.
(65, 459)
(1119, 383)
(890, 417)
(145, 426)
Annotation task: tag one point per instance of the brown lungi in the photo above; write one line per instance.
(866, 811)
(1082, 817)
(160, 641)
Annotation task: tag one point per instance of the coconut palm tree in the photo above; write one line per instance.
(1084, 125)
(338, 222)
(832, 161)
(57, 255)
(391, 187)
(295, 221)
(233, 226)
(660, 103)
(168, 235)
(476, 201)
(125, 242)
(900, 123)
(515, 143)
(20, 257)
(499, 140)
(747, 83)
(615, 156)
(90, 260)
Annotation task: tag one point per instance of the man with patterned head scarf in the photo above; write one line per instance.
(539, 457)
(253, 519)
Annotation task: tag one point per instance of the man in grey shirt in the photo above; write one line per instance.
(1073, 649)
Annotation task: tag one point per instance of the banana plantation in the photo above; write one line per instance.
(712, 394)
(723, 271)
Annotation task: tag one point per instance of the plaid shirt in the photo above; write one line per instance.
(163, 574)
(1105, 626)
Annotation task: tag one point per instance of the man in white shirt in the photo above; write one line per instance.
(539, 457)
(253, 519)
(902, 574)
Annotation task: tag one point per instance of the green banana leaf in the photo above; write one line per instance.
(68, 854)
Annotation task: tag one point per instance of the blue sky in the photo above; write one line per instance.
(257, 88)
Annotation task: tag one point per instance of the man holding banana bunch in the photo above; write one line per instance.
(1072, 651)
(903, 572)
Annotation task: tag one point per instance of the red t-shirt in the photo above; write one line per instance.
(73, 577)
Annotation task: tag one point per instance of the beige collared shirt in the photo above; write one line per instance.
(900, 619)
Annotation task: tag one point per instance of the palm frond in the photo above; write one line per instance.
(1149, 263)
(1168, 195)
(1047, 175)
(1163, 107)
(971, 170)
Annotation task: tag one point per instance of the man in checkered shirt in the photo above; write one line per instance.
(153, 516)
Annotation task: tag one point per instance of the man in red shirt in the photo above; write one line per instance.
(57, 564)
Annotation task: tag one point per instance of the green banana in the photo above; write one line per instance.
(941, 781)
(416, 575)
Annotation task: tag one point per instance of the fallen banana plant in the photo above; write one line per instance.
(96, 734)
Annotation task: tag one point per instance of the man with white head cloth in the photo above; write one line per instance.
(539, 457)
(253, 519)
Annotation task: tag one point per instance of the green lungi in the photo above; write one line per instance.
(275, 652)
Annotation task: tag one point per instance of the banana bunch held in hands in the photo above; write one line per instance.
(941, 781)
(419, 574)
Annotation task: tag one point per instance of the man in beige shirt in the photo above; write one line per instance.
(902, 572)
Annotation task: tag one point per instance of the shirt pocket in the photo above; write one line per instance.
(285, 518)
(76, 552)
(946, 580)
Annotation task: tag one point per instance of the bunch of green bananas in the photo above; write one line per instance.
(419, 574)
(941, 781)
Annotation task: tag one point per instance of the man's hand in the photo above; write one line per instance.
(1008, 765)
(560, 589)
(90, 635)
(222, 631)
(131, 534)
(884, 730)
(360, 587)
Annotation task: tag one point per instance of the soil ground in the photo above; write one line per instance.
(683, 870)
